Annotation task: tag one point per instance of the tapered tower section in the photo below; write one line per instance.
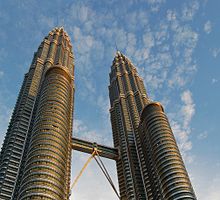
(37, 145)
(128, 97)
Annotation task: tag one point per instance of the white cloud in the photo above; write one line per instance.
(137, 20)
(161, 33)
(83, 13)
(46, 21)
(84, 42)
(180, 123)
(185, 36)
(214, 80)
(171, 15)
(104, 104)
(148, 40)
(121, 38)
(89, 85)
(141, 54)
(203, 135)
(180, 76)
(176, 62)
(165, 101)
(182, 135)
(215, 52)
(81, 130)
(189, 10)
(132, 39)
(188, 109)
(131, 44)
(156, 81)
(80, 12)
(208, 27)
(155, 4)
(78, 127)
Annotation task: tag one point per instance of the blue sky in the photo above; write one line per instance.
(176, 48)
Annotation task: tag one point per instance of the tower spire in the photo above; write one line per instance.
(116, 47)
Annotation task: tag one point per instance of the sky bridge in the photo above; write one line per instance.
(88, 147)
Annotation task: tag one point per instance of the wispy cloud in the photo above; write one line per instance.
(208, 27)
(104, 104)
(46, 21)
(180, 123)
(148, 40)
(184, 42)
(214, 80)
(188, 108)
(155, 4)
(171, 15)
(81, 130)
(202, 135)
(189, 10)
(215, 52)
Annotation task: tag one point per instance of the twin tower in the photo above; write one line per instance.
(35, 159)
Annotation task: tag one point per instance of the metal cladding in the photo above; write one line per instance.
(128, 97)
(36, 153)
(151, 166)
(167, 176)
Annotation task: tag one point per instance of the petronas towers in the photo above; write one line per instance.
(35, 159)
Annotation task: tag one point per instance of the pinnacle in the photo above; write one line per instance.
(118, 53)
(58, 28)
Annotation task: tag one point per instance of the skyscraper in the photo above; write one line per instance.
(128, 98)
(36, 151)
(151, 166)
